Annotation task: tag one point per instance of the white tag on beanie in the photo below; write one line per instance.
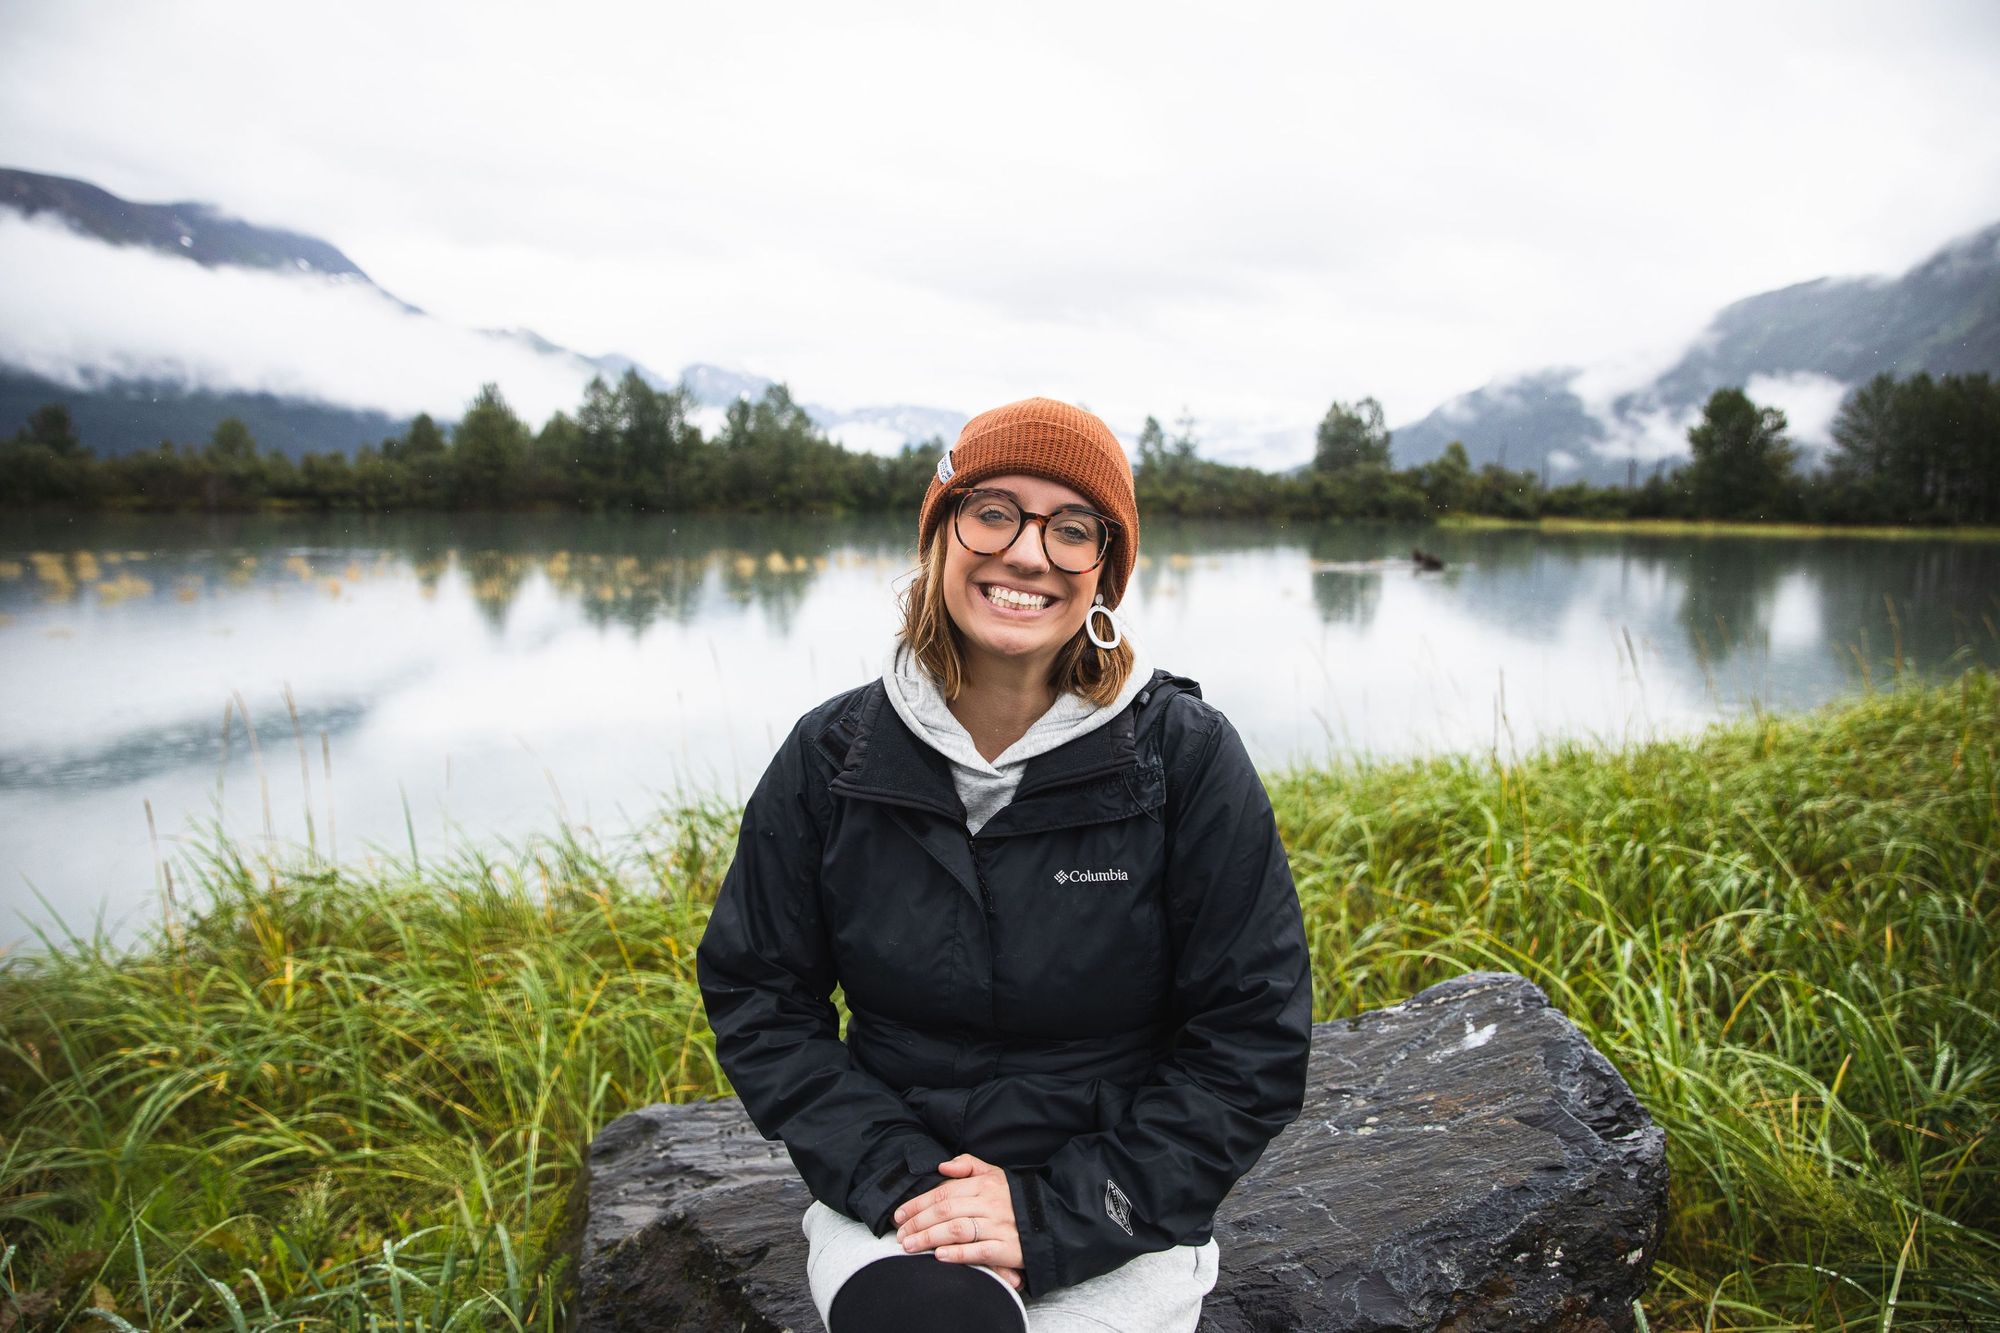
(945, 470)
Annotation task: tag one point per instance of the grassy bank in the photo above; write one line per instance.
(1681, 527)
(356, 1097)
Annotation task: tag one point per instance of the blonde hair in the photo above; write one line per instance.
(1081, 667)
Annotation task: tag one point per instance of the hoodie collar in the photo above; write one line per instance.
(890, 758)
(918, 701)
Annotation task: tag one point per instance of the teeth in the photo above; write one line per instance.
(1024, 601)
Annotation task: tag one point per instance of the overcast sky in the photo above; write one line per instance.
(1246, 211)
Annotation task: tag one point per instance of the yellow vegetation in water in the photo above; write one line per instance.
(51, 570)
(127, 585)
(187, 590)
(300, 566)
(558, 566)
(12, 569)
(353, 573)
(777, 564)
(86, 567)
(746, 567)
(331, 587)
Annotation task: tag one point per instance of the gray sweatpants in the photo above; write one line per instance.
(1154, 1293)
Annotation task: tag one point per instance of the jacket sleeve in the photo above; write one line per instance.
(767, 976)
(1235, 1072)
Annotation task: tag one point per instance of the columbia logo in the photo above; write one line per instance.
(1088, 876)
(1117, 1207)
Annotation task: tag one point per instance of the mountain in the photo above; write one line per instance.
(196, 231)
(118, 411)
(1810, 342)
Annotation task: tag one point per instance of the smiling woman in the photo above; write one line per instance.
(1048, 881)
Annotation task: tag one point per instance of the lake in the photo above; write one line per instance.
(368, 682)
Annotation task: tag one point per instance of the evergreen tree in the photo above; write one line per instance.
(1742, 465)
(1446, 481)
(594, 472)
(488, 450)
(1351, 436)
(426, 460)
(235, 477)
(51, 428)
(45, 463)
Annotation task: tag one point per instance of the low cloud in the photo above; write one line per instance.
(1809, 400)
(82, 311)
(1649, 436)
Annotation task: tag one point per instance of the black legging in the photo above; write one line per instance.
(918, 1293)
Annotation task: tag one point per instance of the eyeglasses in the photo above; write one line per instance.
(1073, 538)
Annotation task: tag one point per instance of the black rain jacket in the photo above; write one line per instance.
(1106, 992)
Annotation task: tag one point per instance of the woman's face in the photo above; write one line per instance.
(1015, 604)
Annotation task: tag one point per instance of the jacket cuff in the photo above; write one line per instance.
(891, 1175)
(1040, 1271)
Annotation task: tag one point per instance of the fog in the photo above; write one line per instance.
(79, 308)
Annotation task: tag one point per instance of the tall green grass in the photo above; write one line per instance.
(356, 1097)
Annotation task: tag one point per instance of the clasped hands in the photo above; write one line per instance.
(967, 1220)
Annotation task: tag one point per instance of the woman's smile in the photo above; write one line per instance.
(1018, 601)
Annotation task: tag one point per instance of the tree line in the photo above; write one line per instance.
(1914, 451)
(627, 446)
(1918, 450)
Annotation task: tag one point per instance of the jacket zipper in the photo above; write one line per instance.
(979, 875)
(986, 906)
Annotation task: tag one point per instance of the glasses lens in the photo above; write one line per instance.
(1074, 540)
(988, 522)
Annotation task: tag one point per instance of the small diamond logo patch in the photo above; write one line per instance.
(1117, 1207)
(1062, 876)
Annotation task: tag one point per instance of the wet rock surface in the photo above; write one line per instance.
(1466, 1161)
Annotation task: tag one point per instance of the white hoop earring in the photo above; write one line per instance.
(1090, 626)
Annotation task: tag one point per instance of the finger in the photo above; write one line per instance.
(960, 1231)
(967, 1203)
(1011, 1276)
(965, 1164)
(995, 1254)
(937, 1197)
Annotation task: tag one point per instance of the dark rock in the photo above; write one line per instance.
(1466, 1161)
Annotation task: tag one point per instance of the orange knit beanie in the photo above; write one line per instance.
(1043, 438)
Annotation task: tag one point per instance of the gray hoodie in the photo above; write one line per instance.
(986, 788)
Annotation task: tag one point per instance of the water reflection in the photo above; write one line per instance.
(486, 670)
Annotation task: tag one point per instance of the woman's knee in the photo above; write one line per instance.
(917, 1293)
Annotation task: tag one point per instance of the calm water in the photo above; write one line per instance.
(483, 678)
